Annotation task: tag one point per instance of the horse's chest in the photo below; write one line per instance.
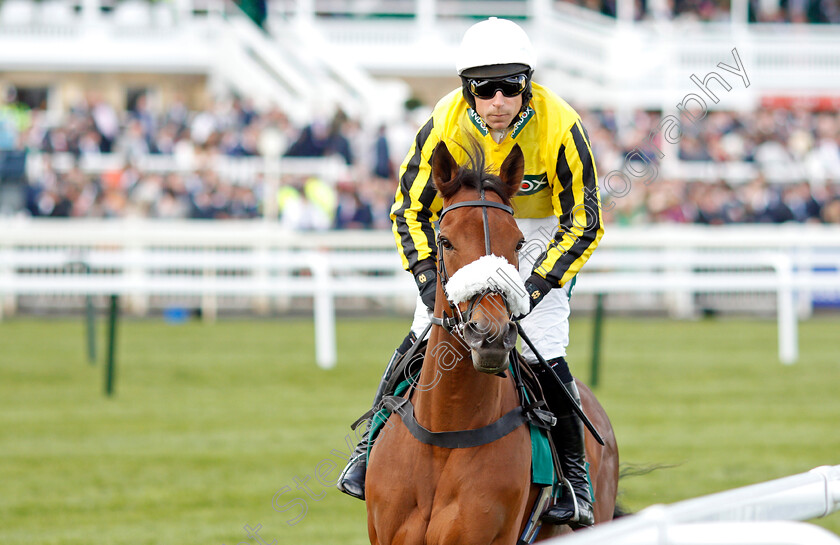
(445, 487)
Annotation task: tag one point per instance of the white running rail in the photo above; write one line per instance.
(142, 258)
(759, 514)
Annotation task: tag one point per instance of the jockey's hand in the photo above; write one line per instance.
(427, 285)
(537, 288)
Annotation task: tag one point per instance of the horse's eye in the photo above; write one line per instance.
(520, 244)
(445, 243)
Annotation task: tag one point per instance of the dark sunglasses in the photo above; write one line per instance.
(510, 86)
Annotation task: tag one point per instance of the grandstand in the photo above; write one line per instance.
(298, 113)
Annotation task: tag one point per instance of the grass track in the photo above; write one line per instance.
(210, 422)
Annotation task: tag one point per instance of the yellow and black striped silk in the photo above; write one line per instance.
(560, 180)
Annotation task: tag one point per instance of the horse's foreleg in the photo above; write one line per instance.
(374, 540)
(407, 530)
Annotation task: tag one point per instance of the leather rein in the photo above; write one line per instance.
(458, 319)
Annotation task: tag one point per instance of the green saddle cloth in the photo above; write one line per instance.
(542, 466)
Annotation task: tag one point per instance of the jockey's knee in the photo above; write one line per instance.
(407, 342)
(561, 369)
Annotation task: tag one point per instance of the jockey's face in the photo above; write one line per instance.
(498, 112)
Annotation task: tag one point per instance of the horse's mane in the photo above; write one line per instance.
(475, 174)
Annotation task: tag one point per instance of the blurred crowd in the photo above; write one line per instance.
(806, 140)
(719, 203)
(799, 144)
(758, 11)
(229, 129)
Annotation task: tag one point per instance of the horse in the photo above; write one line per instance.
(479, 493)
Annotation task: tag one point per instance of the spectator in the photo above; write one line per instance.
(298, 213)
(313, 141)
(105, 121)
(800, 203)
(319, 140)
(352, 212)
(831, 211)
(383, 167)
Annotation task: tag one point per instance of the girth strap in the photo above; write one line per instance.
(456, 439)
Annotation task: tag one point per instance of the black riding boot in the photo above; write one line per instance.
(575, 505)
(352, 478)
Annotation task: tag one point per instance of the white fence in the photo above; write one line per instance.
(757, 515)
(206, 259)
(789, 261)
(246, 171)
(257, 260)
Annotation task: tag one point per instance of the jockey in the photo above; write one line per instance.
(557, 209)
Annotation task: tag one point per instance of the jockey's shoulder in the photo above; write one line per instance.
(546, 102)
(449, 103)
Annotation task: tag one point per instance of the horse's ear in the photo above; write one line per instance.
(444, 168)
(512, 170)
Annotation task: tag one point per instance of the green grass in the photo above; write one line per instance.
(210, 422)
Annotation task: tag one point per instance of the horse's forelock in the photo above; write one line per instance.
(475, 175)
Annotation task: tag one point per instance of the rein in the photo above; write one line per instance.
(458, 319)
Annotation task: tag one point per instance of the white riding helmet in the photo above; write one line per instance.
(494, 41)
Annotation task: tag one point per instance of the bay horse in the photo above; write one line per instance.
(471, 492)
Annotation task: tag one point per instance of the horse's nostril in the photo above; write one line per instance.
(473, 334)
(483, 335)
(509, 339)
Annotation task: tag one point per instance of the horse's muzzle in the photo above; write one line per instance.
(490, 343)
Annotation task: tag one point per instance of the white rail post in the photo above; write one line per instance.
(209, 298)
(426, 14)
(136, 252)
(788, 335)
(804, 292)
(5, 278)
(90, 11)
(324, 308)
(680, 302)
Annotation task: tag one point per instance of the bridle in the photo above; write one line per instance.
(459, 319)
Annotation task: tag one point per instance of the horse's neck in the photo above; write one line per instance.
(451, 395)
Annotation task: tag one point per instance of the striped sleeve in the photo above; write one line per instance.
(415, 205)
(577, 205)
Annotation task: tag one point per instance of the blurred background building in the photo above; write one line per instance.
(298, 113)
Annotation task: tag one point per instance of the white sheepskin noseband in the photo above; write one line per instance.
(489, 271)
